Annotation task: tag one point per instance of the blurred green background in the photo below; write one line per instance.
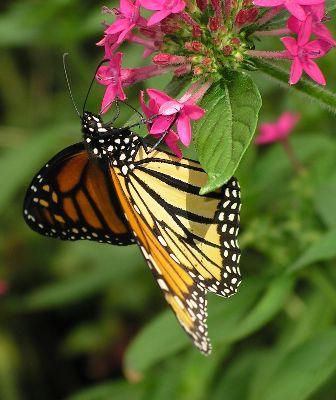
(83, 321)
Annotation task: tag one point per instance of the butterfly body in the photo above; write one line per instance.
(111, 188)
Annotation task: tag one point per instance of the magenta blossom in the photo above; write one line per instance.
(295, 7)
(318, 28)
(173, 111)
(303, 52)
(110, 76)
(279, 130)
(163, 8)
(128, 16)
(171, 137)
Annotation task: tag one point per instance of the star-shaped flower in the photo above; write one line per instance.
(111, 77)
(178, 112)
(273, 132)
(128, 16)
(303, 53)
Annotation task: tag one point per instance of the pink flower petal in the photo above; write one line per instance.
(158, 96)
(294, 24)
(193, 112)
(296, 10)
(305, 31)
(184, 129)
(148, 110)
(162, 123)
(178, 7)
(312, 69)
(151, 4)
(118, 26)
(171, 141)
(322, 32)
(158, 17)
(268, 134)
(291, 45)
(317, 48)
(318, 11)
(309, 2)
(109, 96)
(127, 8)
(287, 122)
(296, 71)
(170, 107)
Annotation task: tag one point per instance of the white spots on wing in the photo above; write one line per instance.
(179, 302)
(162, 284)
(172, 255)
(231, 217)
(162, 241)
(221, 216)
(124, 169)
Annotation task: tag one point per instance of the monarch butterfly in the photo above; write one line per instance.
(111, 188)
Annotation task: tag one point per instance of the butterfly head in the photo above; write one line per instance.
(101, 139)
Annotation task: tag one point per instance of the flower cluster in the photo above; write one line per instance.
(203, 40)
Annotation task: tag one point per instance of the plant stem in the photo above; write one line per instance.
(306, 87)
(298, 167)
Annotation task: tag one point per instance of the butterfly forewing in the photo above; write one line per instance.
(71, 198)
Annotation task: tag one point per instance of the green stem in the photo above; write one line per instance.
(306, 87)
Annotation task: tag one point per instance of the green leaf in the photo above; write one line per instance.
(322, 249)
(223, 135)
(120, 390)
(304, 369)
(78, 287)
(264, 310)
(325, 202)
(239, 370)
(163, 336)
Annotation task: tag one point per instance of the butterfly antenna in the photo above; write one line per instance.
(92, 81)
(69, 86)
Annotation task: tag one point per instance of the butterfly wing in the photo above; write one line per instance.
(188, 240)
(73, 198)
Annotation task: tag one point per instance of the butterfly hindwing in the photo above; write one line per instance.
(72, 198)
(188, 240)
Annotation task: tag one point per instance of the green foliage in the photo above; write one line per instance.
(222, 138)
(83, 321)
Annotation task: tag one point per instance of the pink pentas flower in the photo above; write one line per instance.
(173, 111)
(171, 137)
(163, 8)
(111, 77)
(273, 132)
(110, 44)
(303, 52)
(295, 7)
(317, 13)
(128, 16)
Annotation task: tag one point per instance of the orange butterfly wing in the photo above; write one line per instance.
(71, 198)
